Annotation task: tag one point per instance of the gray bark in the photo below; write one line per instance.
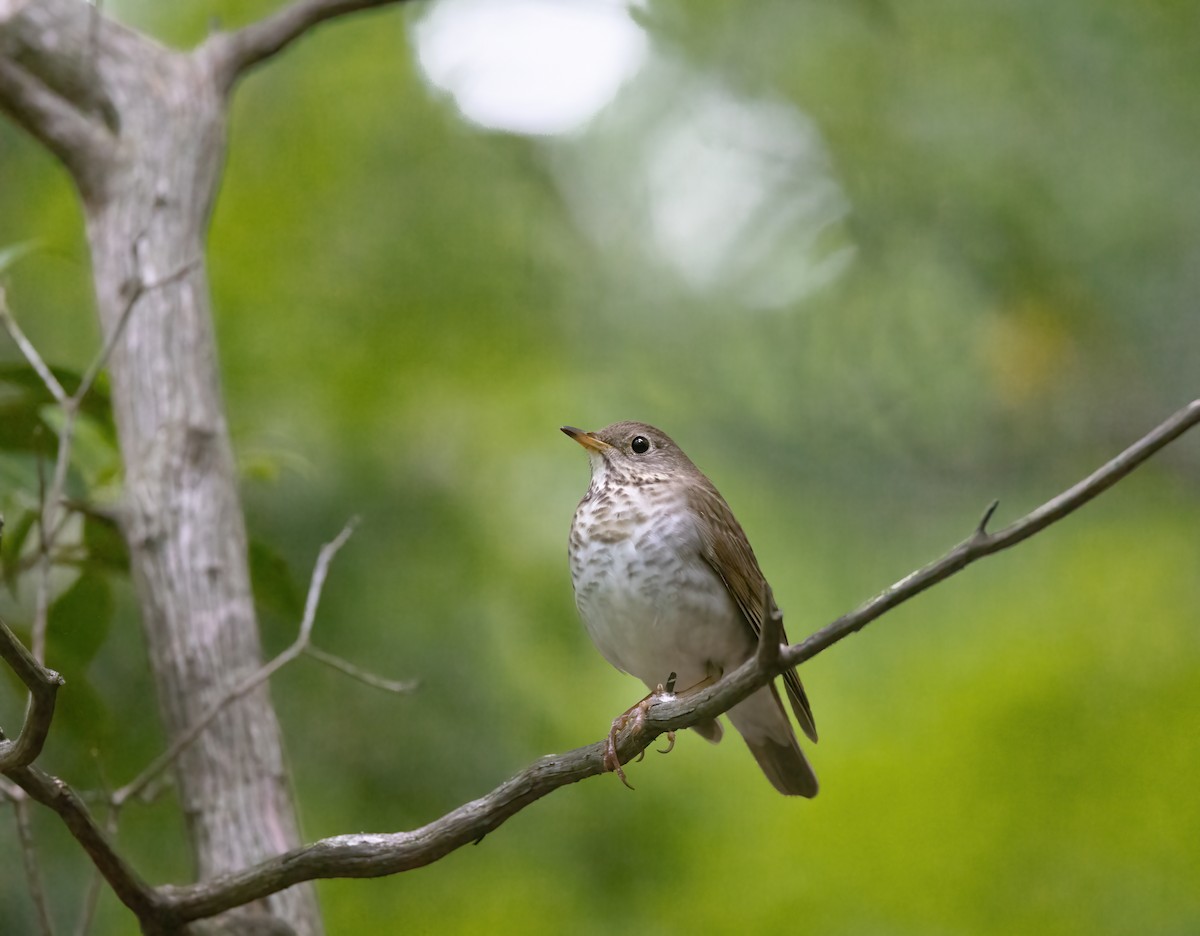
(142, 131)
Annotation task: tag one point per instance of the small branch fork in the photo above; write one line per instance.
(51, 515)
(302, 644)
(152, 908)
(21, 781)
(232, 54)
(43, 686)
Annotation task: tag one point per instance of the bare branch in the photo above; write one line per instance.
(43, 686)
(366, 855)
(233, 54)
(91, 896)
(29, 351)
(399, 687)
(33, 873)
(771, 635)
(981, 530)
(374, 855)
(982, 544)
(251, 682)
(135, 893)
(139, 288)
(315, 586)
(51, 498)
(10, 791)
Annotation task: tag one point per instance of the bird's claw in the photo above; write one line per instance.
(637, 715)
(612, 760)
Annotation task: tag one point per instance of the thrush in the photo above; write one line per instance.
(666, 583)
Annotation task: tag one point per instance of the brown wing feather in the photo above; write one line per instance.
(732, 558)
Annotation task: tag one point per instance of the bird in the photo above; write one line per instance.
(670, 591)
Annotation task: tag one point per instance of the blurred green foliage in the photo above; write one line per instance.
(408, 308)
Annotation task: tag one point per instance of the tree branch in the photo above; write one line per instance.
(374, 855)
(254, 680)
(50, 522)
(43, 686)
(135, 893)
(737, 685)
(33, 872)
(232, 54)
(9, 321)
(394, 686)
(981, 543)
(55, 96)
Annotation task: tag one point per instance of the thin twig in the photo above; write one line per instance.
(145, 902)
(400, 687)
(139, 289)
(72, 404)
(41, 600)
(50, 520)
(33, 871)
(251, 682)
(771, 634)
(91, 896)
(29, 351)
(982, 543)
(10, 791)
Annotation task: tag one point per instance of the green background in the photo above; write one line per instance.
(408, 307)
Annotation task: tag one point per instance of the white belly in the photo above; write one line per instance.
(650, 611)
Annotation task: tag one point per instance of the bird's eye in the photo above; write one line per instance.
(640, 445)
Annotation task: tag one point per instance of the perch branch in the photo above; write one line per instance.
(981, 543)
(366, 855)
(372, 855)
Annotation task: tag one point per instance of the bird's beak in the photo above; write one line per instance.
(587, 439)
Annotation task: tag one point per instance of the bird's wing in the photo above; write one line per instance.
(732, 558)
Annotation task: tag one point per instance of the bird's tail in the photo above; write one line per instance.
(764, 724)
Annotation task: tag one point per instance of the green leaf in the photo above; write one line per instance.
(23, 396)
(274, 588)
(106, 547)
(79, 621)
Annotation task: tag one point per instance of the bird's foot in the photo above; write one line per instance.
(637, 715)
(612, 760)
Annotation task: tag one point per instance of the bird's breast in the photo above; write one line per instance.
(648, 600)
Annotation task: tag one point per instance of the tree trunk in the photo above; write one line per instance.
(142, 130)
